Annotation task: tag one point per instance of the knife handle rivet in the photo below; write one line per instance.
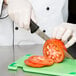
(44, 30)
(16, 28)
(47, 8)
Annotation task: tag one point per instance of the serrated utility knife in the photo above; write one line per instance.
(34, 28)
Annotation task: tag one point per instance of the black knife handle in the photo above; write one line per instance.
(33, 26)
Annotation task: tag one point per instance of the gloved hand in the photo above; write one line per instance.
(64, 32)
(20, 11)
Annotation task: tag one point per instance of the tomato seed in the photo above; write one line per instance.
(47, 47)
(50, 50)
(47, 52)
(57, 55)
(53, 57)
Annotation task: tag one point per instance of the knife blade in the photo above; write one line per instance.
(34, 28)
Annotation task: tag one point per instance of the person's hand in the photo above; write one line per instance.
(21, 11)
(66, 32)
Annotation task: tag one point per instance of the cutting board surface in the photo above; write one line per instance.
(66, 68)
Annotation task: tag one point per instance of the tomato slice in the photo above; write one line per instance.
(27, 62)
(59, 43)
(53, 49)
(40, 60)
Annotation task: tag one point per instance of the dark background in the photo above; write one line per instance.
(72, 11)
(72, 19)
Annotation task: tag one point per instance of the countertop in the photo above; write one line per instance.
(8, 54)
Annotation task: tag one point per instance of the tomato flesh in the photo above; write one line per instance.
(27, 62)
(53, 49)
(40, 60)
(53, 52)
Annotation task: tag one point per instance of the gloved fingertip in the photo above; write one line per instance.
(21, 26)
(57, 37)
(26, 26)
(67, 46)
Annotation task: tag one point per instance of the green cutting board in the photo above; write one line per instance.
(66, 68)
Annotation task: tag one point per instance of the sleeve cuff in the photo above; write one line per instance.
(1, 3)
(6, 1)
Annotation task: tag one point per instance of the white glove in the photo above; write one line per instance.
(1, 3)
(64, 32)
(21, 11)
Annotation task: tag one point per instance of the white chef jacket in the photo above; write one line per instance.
(49, 14)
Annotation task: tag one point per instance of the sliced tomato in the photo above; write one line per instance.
(59, 43)
(40, 60)
(50, 61)
(53, 49)
(27, 62)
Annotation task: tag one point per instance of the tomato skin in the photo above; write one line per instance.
(40, 60)
(27, 62)
(37, 60)
(53, 49)
(51, 62)
(53, 52)
(59, 43)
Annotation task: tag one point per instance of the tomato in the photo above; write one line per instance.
(59, 43)
(53, 49)
(27, 62)
(40, 60)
